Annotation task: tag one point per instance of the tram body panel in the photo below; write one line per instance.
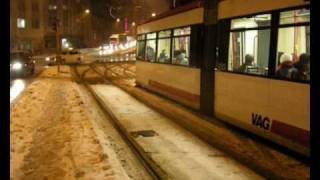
(177, 82)
(194, 16)
(233, 8)
(278, 110)
(282, 107)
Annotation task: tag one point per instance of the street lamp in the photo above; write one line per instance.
(87, 11)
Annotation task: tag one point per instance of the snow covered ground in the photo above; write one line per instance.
(53, 135)
(177, 152)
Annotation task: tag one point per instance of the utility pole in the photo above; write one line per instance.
(58, 33)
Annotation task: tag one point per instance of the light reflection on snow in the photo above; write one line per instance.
(17, 87)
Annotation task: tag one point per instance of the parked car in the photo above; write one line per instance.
(50, 60)
(71, 57)
(21, 64)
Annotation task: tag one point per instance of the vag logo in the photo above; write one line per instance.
(260, 121)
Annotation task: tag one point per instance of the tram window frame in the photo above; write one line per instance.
(174, 37)
(141, 38)
(243, 68)
(159, 38)
(148, 39)
(171, 44)
(275, 26)
(282, 26)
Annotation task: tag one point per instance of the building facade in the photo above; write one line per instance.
(32, 24)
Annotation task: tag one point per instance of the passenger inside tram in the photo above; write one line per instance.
(247, 64)
(150, 54)
(164, 57)
(180, 57)
(285, 68)
(302, 68)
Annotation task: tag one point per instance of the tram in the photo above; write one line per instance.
(261, 71)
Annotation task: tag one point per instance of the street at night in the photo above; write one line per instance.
(172, 89)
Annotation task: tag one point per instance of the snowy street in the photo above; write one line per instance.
(58, 130)
(52, 135)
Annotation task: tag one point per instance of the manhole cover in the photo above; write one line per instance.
(144, 133)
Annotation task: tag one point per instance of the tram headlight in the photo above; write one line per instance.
(16, 66)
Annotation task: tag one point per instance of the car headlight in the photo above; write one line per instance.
(16, 66)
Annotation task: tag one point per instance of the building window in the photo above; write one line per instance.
(65, 18)
(22, 9)
(249, 45)
(35, 21)
(151, 47)
(164, 46)
(21, 23)
(181, 46)
(293, 47)
(52, 7)
(141, 46)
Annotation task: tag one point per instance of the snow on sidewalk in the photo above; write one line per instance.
(175, 150)
(51, 136)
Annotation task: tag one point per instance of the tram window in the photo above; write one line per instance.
(140, 49)
(151, 50)
(182, 31)
(293, 53)
(164, 50)
(249, 51)
(151, 35)
(181, 50)
(251, 22)
(141, 37)
(163, 34)
(295, 16)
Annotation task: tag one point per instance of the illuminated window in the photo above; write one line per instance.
(295, 16)
(249, 45)
(151, 35)
(151, 50)
(150, 54)
(251, 22)
(293, 53)
(141, 45)
(164, 43)
(21, 23)
(249, 51)
(52, 7)
(181, 46)
(163, 34)
(182, 31)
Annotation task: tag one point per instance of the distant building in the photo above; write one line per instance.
(31, 24)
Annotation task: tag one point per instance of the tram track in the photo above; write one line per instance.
(155, 172)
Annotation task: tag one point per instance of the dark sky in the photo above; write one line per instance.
(100, 8)
(136, 12)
